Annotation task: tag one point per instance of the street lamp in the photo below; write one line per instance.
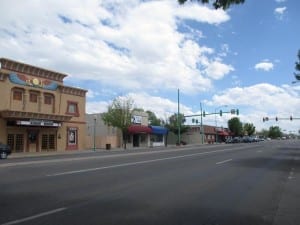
(95, 133)
(216, 119)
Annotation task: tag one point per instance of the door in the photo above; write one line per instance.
(135, 140)
(32, 141)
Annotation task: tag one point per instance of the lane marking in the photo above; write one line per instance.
(139, 162)
(93, 157)
(225, 161)
(35, 216)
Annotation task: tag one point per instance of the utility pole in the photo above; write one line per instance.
(201, 124)
(178, 122)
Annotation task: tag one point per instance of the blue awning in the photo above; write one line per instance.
(158, 130)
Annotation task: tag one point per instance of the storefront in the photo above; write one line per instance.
(158, 136)
(39, 112)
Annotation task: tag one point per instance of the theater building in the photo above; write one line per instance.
(38, 113)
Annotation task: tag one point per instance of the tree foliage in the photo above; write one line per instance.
(172, 124)
(153, 120)
(275, 132)
(119, 115)
(235, 126)
(297, 67)
(224, 4)
(249, 128)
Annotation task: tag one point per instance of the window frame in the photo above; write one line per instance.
(48, 97)
(76, 109)
(18, 94)
(33, 96)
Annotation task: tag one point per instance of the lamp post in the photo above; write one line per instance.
(201, 124)
(94, 133)
(178, 117)
(216, 120)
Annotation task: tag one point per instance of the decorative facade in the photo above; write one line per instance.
(38, 112)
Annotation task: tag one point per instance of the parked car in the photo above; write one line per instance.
(236, 140)
(4, 151)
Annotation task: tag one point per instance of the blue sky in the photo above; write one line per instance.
(240, 58)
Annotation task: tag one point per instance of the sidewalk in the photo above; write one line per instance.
(91, 151)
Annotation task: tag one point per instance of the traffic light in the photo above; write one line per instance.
(265, 119)
(203, 113)
(276, 118)
(291, 118)
(221, 112)
(193, 120)
(237, 112)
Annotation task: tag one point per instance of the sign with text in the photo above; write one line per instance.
(136, 119)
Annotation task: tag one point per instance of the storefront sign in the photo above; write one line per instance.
(45, 123)
(136, 119)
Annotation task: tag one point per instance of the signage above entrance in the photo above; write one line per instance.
(41, 123)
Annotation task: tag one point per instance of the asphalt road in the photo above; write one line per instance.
(237, 184)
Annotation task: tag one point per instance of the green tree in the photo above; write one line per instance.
(235, 126)
(153, 120)
(249, 128)
(172, 124)
(224, 4)
(297, 67)
(264, 133)
(119, 115)
(275, 132)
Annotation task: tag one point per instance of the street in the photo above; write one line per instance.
(234, 184)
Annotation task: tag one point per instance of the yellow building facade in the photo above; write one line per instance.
(38, 113)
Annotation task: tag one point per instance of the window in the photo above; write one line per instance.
(33, 96)
(16, 142)
(18, 94)
(72, 108)
(48, 142)
(48, 99)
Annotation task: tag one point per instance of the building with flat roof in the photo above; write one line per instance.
(37, 111)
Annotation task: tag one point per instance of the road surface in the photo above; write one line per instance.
(234, 184)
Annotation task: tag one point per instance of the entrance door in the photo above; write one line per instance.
(135, 140)
(32, 141)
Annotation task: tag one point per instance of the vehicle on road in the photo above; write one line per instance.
(4, 151)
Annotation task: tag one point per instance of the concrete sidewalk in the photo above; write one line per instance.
(90, 151)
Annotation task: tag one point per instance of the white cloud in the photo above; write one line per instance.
(115, 40)
(263, 100)
(280, 1)
(162, 107)
(266, 66)
(217, 70)
(279, 12)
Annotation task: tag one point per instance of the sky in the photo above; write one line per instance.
(242, 58)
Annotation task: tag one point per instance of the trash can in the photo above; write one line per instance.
(108, 146)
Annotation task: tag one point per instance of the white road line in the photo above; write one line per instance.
(225, 161)
(35, 216)
(138, 162)
(93, 157)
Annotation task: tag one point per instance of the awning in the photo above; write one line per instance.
(158, 130)
(223, 133)
(136, 129)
